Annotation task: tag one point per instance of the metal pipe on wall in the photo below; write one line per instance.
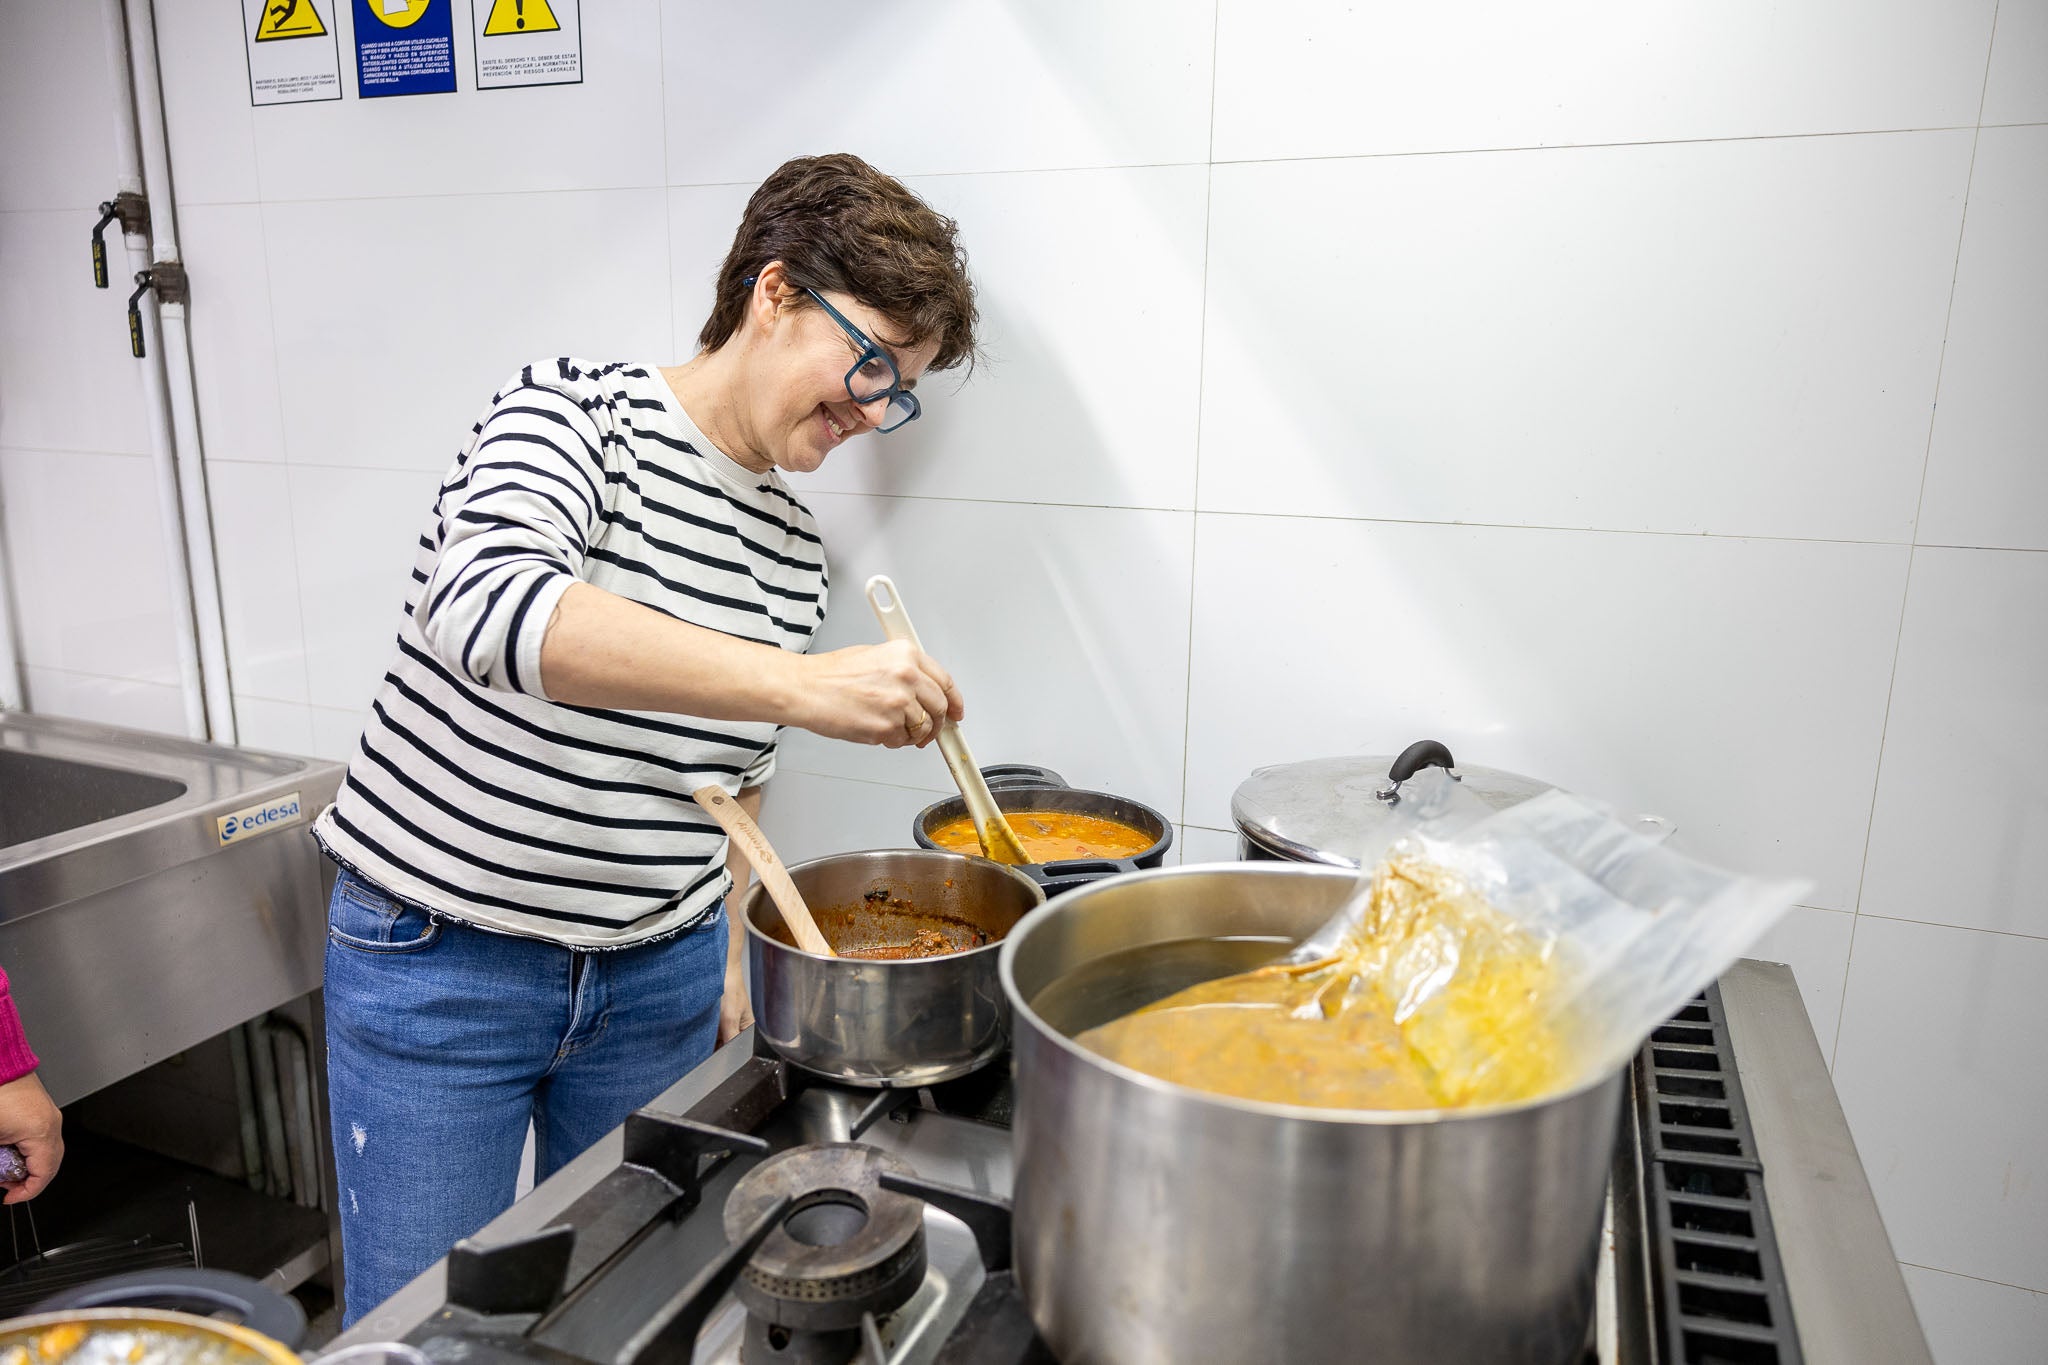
(174, 328)
(162, 438)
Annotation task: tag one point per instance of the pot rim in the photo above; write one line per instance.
(1158, 846)
(760, 889)
(1023, 1014)
(269, 1349)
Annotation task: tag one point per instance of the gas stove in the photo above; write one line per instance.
(753, 1213)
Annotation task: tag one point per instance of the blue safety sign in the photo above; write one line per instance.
(404, 47)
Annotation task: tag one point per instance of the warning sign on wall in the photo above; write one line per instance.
(404, 47)
(293, 53)
(528, 42)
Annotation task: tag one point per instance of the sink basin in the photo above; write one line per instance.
(41, 796)
(142, 909)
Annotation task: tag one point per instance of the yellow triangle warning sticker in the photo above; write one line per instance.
(289, 19)
(520, 16)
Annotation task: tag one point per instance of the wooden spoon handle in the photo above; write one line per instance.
(998, 840)
(758, 851)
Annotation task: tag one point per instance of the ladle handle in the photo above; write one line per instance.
(754, 845)
(997, 838)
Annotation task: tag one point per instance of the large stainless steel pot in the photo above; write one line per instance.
(912, 1022)
(1159, 1224)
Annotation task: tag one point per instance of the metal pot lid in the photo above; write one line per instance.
(1322, 809)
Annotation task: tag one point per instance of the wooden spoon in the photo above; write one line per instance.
(999, 842)
(758, 851)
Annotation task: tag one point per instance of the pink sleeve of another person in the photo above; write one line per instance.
(17, 1058)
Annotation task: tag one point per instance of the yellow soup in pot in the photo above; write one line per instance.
(1051, 836)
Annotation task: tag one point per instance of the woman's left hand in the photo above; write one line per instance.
(33, 1125)
(735, 1010)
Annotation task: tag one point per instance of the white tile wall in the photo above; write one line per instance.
(1736, 337)
(281, 726)
(67, 379)
(1195, 844)
(335, 731)
(86, 551)
(1297, 78)
(1735, 686)
(1987, 466)
(1815, 944)
(807, 816)
(2016, 92)
(1066, 628)
(1709, 299)
(235, 349)
(934, 86)
(1939, 1070)
(207, 116)
(396, 319)
(1959, 832)
(110, 701)
(55, 78)
(1975, 1322)
(259, 579)
(356, 532)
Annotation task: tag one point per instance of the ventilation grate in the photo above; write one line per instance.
(1717, 1284)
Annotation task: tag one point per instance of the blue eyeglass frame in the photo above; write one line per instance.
(868, 351)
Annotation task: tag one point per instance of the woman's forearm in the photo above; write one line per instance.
(606, 651)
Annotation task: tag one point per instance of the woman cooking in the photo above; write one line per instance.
(611, 606)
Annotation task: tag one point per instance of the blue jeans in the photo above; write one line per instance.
(443, 1041)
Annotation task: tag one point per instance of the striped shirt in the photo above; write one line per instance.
(474, 795)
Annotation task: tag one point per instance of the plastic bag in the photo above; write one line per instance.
(1525, 951)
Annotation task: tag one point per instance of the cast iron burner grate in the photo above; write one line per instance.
(509, 1302)
(1716, 1284)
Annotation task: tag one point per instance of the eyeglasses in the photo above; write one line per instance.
(874, 375)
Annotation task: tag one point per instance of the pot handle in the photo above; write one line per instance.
(1088, 867)
(1423, 753)
(1003, 776)
(209, 1293)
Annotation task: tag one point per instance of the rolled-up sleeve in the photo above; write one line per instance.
(515, 525)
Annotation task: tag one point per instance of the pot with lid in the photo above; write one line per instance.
(1323, 809)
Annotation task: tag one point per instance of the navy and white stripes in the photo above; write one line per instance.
(471, 792)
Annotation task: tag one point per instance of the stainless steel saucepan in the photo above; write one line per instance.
(892, 1021)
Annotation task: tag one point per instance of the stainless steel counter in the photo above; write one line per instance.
(155, 892)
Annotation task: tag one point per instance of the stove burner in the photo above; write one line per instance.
(847, 1247)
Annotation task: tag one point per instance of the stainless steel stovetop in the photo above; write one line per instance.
(1695, 1265)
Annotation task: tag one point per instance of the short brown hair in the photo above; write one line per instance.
(836, 223)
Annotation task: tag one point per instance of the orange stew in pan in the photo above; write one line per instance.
(1052, 836)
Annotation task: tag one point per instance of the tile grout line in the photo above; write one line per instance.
(1912, 554)
(1197, 511)
(1958, 928)
(1116, 165)
(291, 520)
(1187, 693)
(1980, 1279)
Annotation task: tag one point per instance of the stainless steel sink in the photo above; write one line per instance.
(153, 891)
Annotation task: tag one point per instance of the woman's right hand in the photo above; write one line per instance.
(893, 695)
